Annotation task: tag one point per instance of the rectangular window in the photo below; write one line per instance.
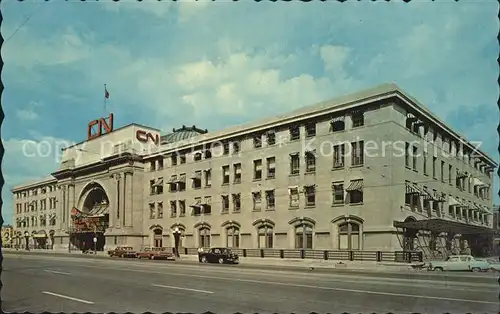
(434, 161)
(294, 164)
(173, 209)
(225, 175)
(257, 141)
(208, 178)
(407, 155)
(236, 202)
(414, 156)
(311, 129)
(310, 192)
(338, 156)
(173, 159)
(182, 208)
(237, 173)
(425, 163)
(225, 149)
(294, 197)
(271, 167)
(310, 161)
(257, 169)
(271, 138)
(225, 203)
(257, 201)
(450, 171)
(236, 147)
(294, 133)
(357, 153)
(338, 193)
(197, 180)
(358, 119)
(270, 201)
(442, 171)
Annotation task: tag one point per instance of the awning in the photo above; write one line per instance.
(427, 195)
(159, 182)
(173, 180)
(478, 182)
(182, 179)
(452, 201)
(355, 185)
(412, 188)
(461, 175)
(208, 201)
(99, 210)
(196, 203)
(439, 197)
(196, 175)
(39, 235)
(310, 152)
(439, 225)
(294, 154)
(337, 119)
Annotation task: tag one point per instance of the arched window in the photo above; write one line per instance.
(204, 237)
(233, 237)
(349, 236)
(266, 236)
(303, 236)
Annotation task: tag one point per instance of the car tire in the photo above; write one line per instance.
(152, 257)
(204, 260)
(221, 260)
(438, 269)
(475, 269)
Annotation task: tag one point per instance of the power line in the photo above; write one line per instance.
(22, 24)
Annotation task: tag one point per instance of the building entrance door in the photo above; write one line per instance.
(158, 238)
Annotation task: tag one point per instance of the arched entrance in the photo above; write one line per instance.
(40, 239)
(91, 220)
(157, 237)
(409, 236)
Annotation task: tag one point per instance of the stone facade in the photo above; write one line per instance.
(281, 182)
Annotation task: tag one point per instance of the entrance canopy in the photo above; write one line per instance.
(440, 225)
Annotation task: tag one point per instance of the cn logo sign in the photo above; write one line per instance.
(143, 136)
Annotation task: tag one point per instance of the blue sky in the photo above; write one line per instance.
(219, 64)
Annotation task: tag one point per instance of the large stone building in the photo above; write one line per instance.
(374, 170)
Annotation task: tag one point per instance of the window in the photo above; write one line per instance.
(310, 161)
(257, 141)
(208, 177)
(442, 171)
(271, 138)
(450, 170)
(233, 237)
(236, 147)
(414, 156)
(357, 153)
(349, 236)
(225, 149)
(355, 190)
(182, 182)
(425, 163)
(407, 155)
(204, 237)
(271, 167)
(236, 202)
(197, 206)
(173, 208)
(294, 164)
(434, 174)
(173, 183)
(303, 237)
(156, 186)
(266, 235)
(270, 200)
(257, 169)
(207, 205)
(152, 213)
(173, 159)
(358, 118)
(294, 133)
(182, 208)
(160, 210)
(208, 154)
(338, 193)
(257, 201)
(310, 192)
(338, 156)
(294, 196)
(311, 129)
(337, 124)
(152, 188)
(152, 165)
(237, 173)
(197, 156)
(197, 180)
(182, 158)
(225, 175)
(225, 203)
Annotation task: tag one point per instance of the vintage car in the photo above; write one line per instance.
(123, 251)
(156, 253)
(459, 263)
(218, 255)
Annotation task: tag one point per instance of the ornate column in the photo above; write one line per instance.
(128, 205)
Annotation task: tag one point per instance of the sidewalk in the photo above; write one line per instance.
(289, 262)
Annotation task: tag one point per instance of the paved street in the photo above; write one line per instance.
(37, 283)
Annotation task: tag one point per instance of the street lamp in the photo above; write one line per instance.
(27, 238)
(177, 236)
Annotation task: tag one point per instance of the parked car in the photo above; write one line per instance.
(156, 253)
(218, 255)
(123, 251)
(459, 263)
(493, 262)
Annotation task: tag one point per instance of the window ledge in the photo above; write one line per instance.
(338, 205)
(310, 172)
(356, 166)
(224, 213)
(358, 127)
(237, 182)
(415, 170)
(310, 206)
(257, 180)
(338, 168)
(293, 207)
(270, 209)
(294, 174)
(408, 167)
(225, 184)
(356, 204)
(270, 178)
(256, 210)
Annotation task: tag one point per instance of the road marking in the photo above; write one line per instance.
(67, 297)
(179, 288)
(56, 272)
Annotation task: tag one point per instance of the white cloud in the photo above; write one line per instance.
(27, 114)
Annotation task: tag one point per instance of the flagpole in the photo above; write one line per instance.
(105, 99)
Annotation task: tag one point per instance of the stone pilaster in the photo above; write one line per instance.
(129, 205)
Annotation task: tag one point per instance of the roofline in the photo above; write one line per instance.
(381, 92)
(33, 184)
(120, 128)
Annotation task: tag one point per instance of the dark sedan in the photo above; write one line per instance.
(218, 255)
